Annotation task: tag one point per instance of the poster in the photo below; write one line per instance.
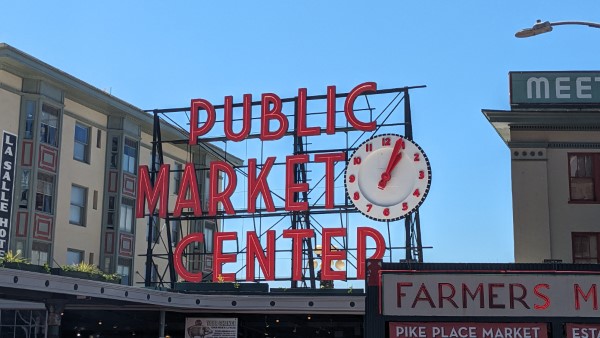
(210, 327)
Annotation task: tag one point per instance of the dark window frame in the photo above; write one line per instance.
(581, 176)
(79, 143)
(130, 156)
(49, 133)
(82, 206)
(81, 254)
(44, 201)
(594, 255)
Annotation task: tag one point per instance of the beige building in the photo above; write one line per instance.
(553, 133)
(78, 150)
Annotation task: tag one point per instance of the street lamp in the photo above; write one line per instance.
(546, 26)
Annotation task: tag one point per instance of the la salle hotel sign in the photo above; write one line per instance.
(154, 196)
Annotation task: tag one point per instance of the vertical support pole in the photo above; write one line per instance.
(409, 135)
(172, 273)
(419, 243)
(374, 323)
(303, 220)
(149, 261)
(54, 318)
(161, 326)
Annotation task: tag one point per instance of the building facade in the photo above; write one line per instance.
(553, 133)
(78, 150)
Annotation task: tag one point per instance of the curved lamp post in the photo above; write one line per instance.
(546, 26)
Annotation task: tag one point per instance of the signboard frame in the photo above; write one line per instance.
(7, 177)
(377, 323)
(559, 89)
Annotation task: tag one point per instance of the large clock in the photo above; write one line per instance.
(388, 177)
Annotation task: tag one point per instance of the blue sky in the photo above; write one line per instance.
(160, 54)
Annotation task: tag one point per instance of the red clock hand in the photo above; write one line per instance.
(394, 159)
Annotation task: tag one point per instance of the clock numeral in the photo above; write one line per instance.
(417, 158)
(369, 207)
(386, 212)
(402, 144)
(386, 141)
(369, 147)
(421, 174)
(417, 193)
(357, 160)
(351, 178)
(404, 206)
(356, 196)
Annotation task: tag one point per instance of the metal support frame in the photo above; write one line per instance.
(299, 220)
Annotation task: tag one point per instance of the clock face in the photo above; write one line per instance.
(388, 177)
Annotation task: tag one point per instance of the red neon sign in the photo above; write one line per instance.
(274, 125)
(266, 256)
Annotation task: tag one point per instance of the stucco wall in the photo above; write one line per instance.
(89, 175)
(10, 101)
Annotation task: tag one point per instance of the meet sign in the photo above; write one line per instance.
(555, 88)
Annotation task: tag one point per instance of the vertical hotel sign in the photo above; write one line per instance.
(7, 179)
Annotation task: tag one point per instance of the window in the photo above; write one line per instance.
(40, 253)
(124, 270)
(154, 274)
(175, 231)
(126, 217)
(114, 153)
(78, 203)
(209, 229)
(130, 156)
(98, 138)
(81, 148)
(110, 216)
(583, 177)
(108, 264)
(49, 125)
(17, 322)
(24, 189)
(194, 260)
(585, 247)
(155, 229)
(44, 192)
(20, 247)
(30, 118)
(177, 178)
(74, 256)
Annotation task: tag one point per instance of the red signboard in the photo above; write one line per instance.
(468, 330)
(510, 294)
(583, 330)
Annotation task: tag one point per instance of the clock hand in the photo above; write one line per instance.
(394, 159)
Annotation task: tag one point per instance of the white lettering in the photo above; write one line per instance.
(585, 332)
(7, 140)
(4, 222)
(538, 81)
(4, 206)
(8, 151)
(581, 87)
(6, 177)
(560, 88)
(411, 331)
